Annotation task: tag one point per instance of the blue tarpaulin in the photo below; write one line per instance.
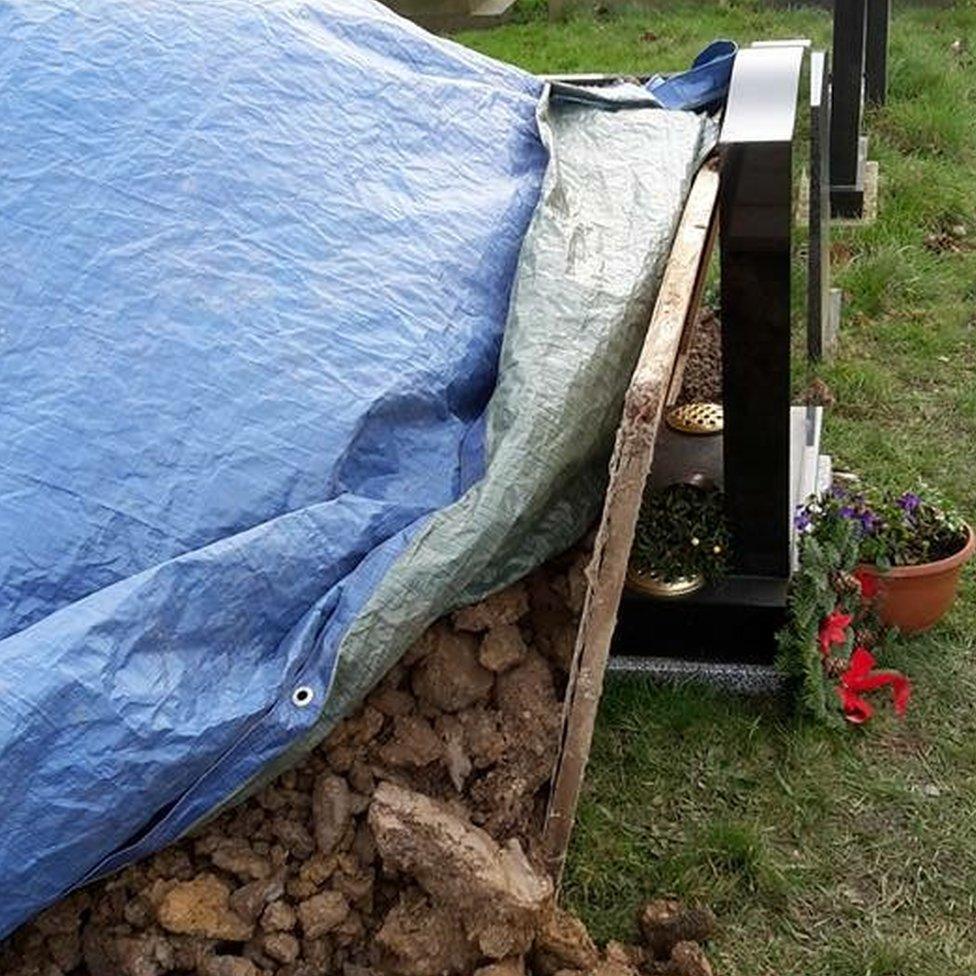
(704, 85)
(255, 260)
(255, 266)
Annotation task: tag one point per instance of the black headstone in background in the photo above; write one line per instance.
(823, 303)
(846, 147)
(876, 52)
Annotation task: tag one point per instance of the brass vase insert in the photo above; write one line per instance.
(651, 584)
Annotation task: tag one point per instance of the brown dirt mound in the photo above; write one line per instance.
(702, 380)
(405, 844)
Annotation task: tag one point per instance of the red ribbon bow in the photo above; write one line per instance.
(833, 630)
(860, 677)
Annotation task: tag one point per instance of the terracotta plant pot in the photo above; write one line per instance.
(914, 598)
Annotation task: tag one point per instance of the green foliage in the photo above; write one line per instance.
(824, 556)
(529, 11)
(739, 851)
(914, 528)
(681, 532)
(904, 528)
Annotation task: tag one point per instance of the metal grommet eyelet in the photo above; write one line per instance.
(302, 696)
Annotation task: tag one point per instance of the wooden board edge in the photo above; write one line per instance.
(676, 307)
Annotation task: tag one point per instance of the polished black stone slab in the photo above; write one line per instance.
(847, 100)
(876, 52)
(823, 302)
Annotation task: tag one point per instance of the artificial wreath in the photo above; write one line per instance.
(831, 641)
(681, 533)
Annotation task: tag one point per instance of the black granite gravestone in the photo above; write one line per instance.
(876, 52)
(823, 302)
(847, 148)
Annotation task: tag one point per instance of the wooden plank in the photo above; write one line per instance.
(675, 308)
(688, 337)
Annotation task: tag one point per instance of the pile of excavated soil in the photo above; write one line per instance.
(405, 844)
(702, 380)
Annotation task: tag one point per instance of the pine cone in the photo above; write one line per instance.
(865, 637)
(834, 667)
(845, 584)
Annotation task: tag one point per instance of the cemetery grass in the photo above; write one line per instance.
(845, 852)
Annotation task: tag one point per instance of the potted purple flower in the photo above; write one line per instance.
(911, 548)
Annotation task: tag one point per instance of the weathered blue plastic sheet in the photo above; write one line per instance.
(255, 266)
(704, 85)
(255, 261)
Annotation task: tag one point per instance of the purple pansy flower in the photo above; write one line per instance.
(868, 521)
(909, 502)
(802, 520)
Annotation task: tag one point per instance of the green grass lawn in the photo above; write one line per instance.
(848, 853)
